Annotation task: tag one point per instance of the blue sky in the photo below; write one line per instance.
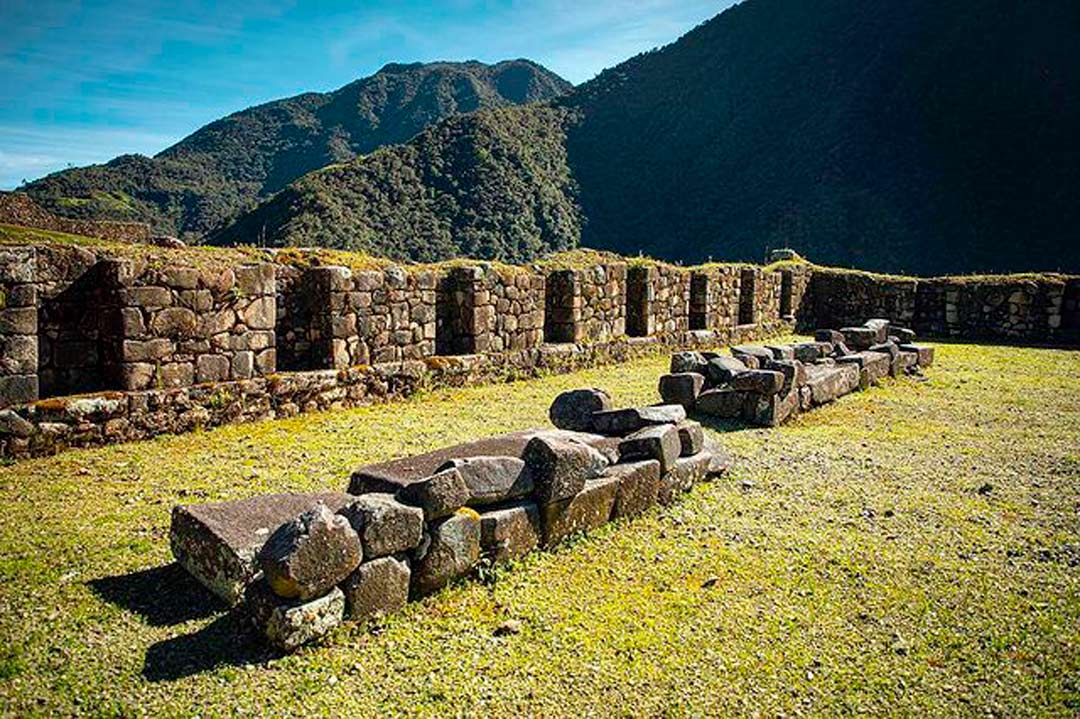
(86, 81)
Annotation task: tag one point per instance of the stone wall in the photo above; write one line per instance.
(586, 305)
(17, 208)
(484, 309)
(18, 325)
(657, 300)
(1026, 308)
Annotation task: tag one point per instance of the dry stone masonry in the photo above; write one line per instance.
(300, 564)
(766, 385)
(98, 346)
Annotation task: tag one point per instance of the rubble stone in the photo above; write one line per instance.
(308, 555)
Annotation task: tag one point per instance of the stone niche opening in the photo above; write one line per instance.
(562, 308)
(80, 335)
(302, 336)
(639, 289)
(747, 296)
(787, 289)
(699, 301)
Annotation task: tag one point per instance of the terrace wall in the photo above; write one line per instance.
(163, 347)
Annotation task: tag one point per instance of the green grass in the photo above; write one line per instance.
(850, 565)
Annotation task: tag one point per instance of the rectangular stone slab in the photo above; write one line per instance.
(639, 484)
(687, 472)
(393, 475)
(587, 511)
(510, 532)
(925, 354)
(217, 543)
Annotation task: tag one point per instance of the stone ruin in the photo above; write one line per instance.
(766, 385)
(299, 564)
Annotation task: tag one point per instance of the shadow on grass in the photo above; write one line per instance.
(719, 424)
(163, 596)
(228, 640)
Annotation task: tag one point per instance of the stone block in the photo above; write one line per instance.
(688, 362)
(722, 370)
(510, 532)
(452, 552)
(18, 389)
(307, 556)
(826, 384)
(639, 483)
(691, 437)
(860, 338)
(660, 443)
(627, 421)
(760, 354)
(794, 373)
(587, 510)
(176, 374)
(759, 381)
(385, 526)
(771, 410)
(875, 365)
(681, 388)
(491, 480)
(254, 280)
(781, 352)
(260, 314)
(290, 624)
(903, 334)
(720, 460)
(18, 321)
(687, 472)
(880, 327)
(811, 351)
(377, 587)
(832, 336)
(148, 351)
(924, 353)
(11, 424)
(18, 354)
(724, 403)
(173, 322)
(211, 368)
(559, 468)
(573, 410)
(439, 495)
(218, 543)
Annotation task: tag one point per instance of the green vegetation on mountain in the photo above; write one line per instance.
(912, 136)
(224, 168)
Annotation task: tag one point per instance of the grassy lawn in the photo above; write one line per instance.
(910, 550)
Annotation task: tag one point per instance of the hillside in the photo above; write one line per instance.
(225, 167)
(911, 136)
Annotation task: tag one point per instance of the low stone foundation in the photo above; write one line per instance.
(298, 565)
(51, 425)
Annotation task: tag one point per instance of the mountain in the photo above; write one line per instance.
(897, 135)
(225, 167)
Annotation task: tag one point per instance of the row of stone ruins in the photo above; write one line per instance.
(300, 564)
(766, 385)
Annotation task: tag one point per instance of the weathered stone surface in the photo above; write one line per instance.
(510, 532)
(794, 373)
(681, 388)
(691, 437)
(859, 338)
(781, 352)
(880, 327)
(587, 510)
(905, 335)
(290, 624)
(574, 410)
(724, 403)
(888, 348)
(771, 410)
(626, 421)
(173, 322)
(841, 350)
(924, 353)
(875, 365)
(559, 468)
(14, 425)
(385, 526)
(395, 474)
(758, 381)
(439, 495)
(828, 383)
(905, 362)
(720, 460)
(17, 389)
(688, 362)
(722, 369)
(308, 555)
(453, 551)
(378, 586)
(18, 321)
(212, 368)
(660, 443)
(687, 472)
(639, 483)
(832, 336)
(759, 353)
(491, 480)
(218, 543)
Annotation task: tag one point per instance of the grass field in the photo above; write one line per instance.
(912, 550)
